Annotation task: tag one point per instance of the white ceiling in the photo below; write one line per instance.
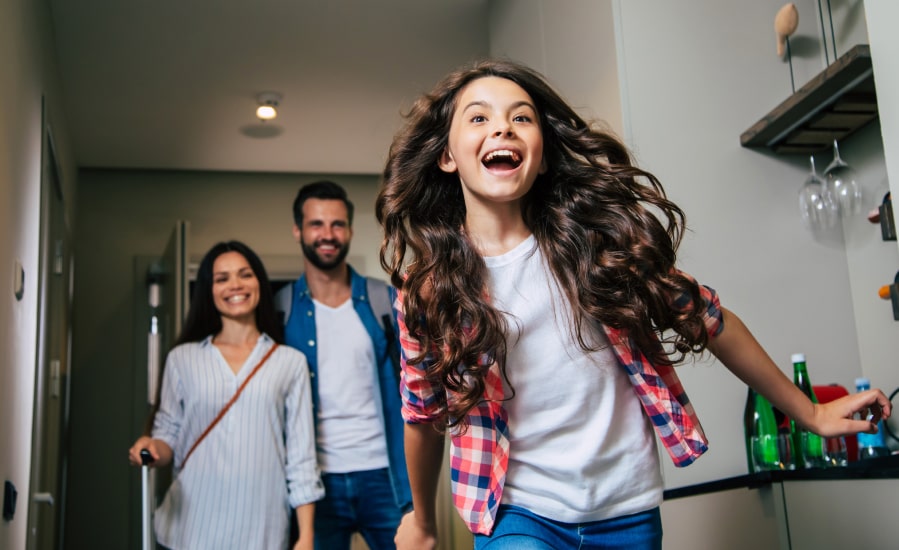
(172, 84)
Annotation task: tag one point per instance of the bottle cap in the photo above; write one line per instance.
(862, 382)
(798, 358)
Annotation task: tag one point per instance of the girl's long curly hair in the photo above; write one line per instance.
(606, 227)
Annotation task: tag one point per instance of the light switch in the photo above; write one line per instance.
(9, 500)
(18, 280)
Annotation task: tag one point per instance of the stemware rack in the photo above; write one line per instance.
(832, 105)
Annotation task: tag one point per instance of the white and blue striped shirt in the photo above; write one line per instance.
(259, 460)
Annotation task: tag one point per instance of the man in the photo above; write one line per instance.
(332, 315)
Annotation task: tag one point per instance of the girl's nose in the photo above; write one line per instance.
(503, 130)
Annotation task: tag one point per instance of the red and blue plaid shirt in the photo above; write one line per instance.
(479, 456)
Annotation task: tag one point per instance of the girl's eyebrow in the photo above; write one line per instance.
(517, 104)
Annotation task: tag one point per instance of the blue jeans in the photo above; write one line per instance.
(519, 529)
(360, 502)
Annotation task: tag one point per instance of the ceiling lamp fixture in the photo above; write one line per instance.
(268, 102)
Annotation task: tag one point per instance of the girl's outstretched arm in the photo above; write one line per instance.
(739, 351)
(424, 457)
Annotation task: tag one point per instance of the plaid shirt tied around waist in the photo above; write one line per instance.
(479, 457)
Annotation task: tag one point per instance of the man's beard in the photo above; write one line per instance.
(309, 252)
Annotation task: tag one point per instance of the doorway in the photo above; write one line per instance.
(51, 395)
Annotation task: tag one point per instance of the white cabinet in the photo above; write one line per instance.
(817, 514)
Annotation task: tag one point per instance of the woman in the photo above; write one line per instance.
(259, 458)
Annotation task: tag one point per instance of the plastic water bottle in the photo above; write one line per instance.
(870, 445)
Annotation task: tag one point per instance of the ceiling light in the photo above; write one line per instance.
(268, 101)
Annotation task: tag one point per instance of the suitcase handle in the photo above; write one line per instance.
(146, 538)
(145, 457)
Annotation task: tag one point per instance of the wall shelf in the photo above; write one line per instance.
(831, 106)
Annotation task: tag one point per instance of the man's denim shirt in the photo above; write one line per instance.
(299, 332)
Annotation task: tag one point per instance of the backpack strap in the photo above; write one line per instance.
(379, 299)
(284, 301)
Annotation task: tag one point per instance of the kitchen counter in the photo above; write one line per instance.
(815, 509)
(873, 468)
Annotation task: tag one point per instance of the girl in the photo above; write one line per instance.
(260, 457)
(539, 296)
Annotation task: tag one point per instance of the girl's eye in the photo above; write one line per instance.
(220, 280)
(479, 118)
(522, 118)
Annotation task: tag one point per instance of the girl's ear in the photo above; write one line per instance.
(543, 166)
(446, 162)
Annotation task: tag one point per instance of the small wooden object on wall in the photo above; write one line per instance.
(785, 23)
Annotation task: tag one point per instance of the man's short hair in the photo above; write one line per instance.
(325, 190)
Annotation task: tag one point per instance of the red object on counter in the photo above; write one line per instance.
(826, 394)
(829, 393)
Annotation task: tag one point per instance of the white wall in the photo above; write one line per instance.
(693, 76)
(881, 18)
(552, 37)
(27, 71)
(691, 94)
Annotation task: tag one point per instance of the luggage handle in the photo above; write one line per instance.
(145, 459)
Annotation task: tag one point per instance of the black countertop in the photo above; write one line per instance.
(873, 468)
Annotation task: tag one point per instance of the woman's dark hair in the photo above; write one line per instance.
(597, 218)
(204, 319)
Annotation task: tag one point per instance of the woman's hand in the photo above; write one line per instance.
(160, 452)
(413, 536)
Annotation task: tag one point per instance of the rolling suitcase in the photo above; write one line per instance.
(147, 504)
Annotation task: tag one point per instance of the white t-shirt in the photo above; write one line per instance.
(581, 447)
(350, 433)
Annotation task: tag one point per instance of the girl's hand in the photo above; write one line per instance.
(412, 536)
(304, 544)
(838, 417)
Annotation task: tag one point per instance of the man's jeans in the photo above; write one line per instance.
(360, 502)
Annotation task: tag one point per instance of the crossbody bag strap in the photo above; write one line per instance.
(228, 404)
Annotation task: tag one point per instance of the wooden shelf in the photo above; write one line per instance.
(833, 105)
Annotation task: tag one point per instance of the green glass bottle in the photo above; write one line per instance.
(760, 430)
(810, 445)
